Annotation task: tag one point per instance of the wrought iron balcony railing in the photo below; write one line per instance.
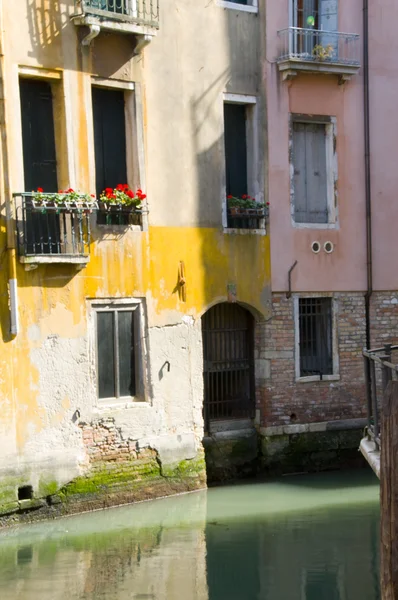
(139, 12)
(60, 232)
(247, 218)
(315, 50)
(315, 45)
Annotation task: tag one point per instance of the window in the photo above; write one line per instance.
(321, 17)
(235, 149)
(110, 146)
(316, 339)
(246, 5)
(118, 351)
(241, 158)
(315, 14)
(314, 174)
(40, 163)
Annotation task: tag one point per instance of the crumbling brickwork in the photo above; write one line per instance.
(280, 398)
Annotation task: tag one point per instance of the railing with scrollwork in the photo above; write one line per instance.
(140, 12)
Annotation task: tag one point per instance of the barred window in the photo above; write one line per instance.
(316, 339)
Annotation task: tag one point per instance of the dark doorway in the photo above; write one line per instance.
(228, 356)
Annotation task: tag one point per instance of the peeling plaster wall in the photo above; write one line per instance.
(47, 372)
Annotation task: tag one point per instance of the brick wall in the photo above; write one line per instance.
(280, 398)
(384, 318)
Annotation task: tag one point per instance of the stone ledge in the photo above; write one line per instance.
(342, 425)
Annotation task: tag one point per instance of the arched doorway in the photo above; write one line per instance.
(228, 363)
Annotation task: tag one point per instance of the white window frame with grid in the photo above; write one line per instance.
(119, 305)
(335, 347)
(250, 8)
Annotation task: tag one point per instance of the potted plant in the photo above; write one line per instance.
(321, 53)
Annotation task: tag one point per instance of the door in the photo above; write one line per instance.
(42, 231)
(227, 333)
(328, 18)
(306, 19)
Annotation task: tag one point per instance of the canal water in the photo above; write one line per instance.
(309, 537)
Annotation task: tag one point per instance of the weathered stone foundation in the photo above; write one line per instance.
(118, 471)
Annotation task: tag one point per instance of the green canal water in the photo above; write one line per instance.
(309, 537)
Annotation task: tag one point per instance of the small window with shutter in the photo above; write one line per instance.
(118, 351)
(310, 166)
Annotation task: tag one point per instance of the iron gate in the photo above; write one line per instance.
(227, 331)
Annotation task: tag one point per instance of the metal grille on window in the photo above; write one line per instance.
(116, 353)
(315, 323)
(228, 362)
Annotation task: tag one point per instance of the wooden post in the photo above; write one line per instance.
(389, 493)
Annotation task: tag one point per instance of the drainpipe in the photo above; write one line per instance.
(368, 191)
(12, 274)
(12, 261)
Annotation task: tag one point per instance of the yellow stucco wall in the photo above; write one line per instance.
(183, 184)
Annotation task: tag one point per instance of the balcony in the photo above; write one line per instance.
(318, 52)
(137, 17)
(52, 233)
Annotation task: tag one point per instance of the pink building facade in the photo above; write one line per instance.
(334, 281)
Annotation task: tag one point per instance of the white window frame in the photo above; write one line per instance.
(330, 124)
(335, 347)
(253, 167)
(250, 8)
(135, 150)
(120, 304)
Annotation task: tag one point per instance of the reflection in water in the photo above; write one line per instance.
(304, 538)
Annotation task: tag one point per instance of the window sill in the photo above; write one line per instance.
(33, 261)
(233, 6)
(108, 404)
(230, 231)
(313, 378)
(314, 225)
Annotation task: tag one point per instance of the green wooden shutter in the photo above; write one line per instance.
(109, 138)
(40, 164)
(38, 138)
(235, 148)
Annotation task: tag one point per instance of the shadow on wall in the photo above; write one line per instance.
(49, 24)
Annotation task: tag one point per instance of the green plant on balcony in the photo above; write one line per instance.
(122, 198)
(246, 205)
(321, 53)
(69, 200)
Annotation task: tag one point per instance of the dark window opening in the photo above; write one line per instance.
(235, 149)
(310, 173)
(246, 2)
(110, 148)
(228, 354)
(43, 234)
(315, 325)
(116, 348)
(25, 492)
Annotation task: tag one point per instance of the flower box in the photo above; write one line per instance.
(120, 206)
